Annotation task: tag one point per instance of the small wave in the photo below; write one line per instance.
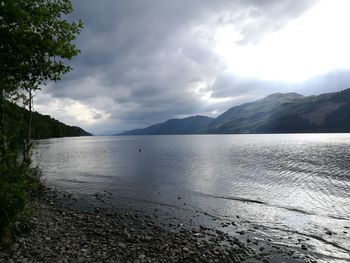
(293, 209)
(73, 181)
(312, 236)
(337, 217)
(235, 198)
(93, 175)
(170, 205)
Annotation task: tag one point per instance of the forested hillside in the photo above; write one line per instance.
(43, 126)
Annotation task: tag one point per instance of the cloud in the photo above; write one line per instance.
(143, 62)
(97, 116)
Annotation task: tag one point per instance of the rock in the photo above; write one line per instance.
(15, 246)
(203, 227)
(328, 232)
(122, 245)
(142, 257)
(198, 235)
(185, 249)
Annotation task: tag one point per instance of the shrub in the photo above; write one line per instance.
(18, 180)
(12, 201)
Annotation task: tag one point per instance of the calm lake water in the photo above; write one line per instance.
(291, 184)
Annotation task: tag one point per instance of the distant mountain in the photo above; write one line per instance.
(190, 125)
(43, 126)
(248, 117)
(276, 113)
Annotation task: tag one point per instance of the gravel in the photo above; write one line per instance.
(61, 234)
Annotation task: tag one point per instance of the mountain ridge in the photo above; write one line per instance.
(275, 113)
(189, 125)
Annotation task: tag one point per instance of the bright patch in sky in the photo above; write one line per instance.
(74, 111)
(313, 44)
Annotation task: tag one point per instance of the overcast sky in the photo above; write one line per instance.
(146, 61)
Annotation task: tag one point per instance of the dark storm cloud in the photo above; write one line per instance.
(140, 61)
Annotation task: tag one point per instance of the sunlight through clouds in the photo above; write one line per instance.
(313, 44)
(74, 111)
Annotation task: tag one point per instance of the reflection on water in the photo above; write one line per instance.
(298, 182)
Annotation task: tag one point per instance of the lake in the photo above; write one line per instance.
(292, 184)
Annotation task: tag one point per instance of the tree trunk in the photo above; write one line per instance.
(2, 110)
(30, 115)
(27, 143)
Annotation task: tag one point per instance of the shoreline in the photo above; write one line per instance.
(60, 233)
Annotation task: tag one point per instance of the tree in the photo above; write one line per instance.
(36, 40)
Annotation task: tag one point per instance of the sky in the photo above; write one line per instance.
(143, 62)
